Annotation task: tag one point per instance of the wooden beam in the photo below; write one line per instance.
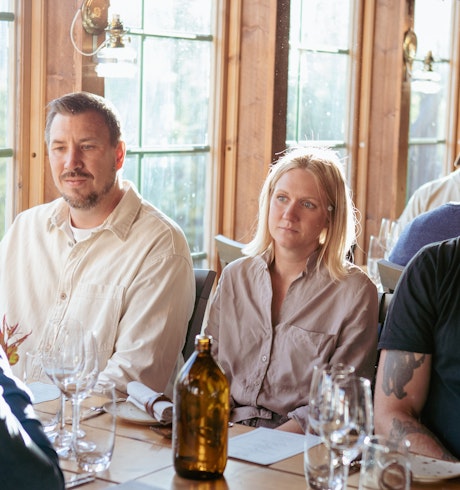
(255, 111)
(63, 64)
(280, 89)
(388, 122)
(363, 130)
(233, 68)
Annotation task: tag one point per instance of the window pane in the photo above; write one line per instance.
(176, 87)
(160, 15)
(425, 163)
(429, 93)
(130, 12)
(6, 82)
(166, 107)
(7, 121)
(5, 165)
(176, 185)
(131, 168)
(319, 78)
(320, 97)
(321, 22)
(432, 24)
(428, 109)
(5, 6)
(116, 90)
(178, 15)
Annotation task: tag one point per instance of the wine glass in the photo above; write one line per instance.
(395, 231)
(323, 469)
(84, 381)
(62, 360)
(322, 378)
(384, 232)
(346, 418)
(375, 253)
(43, 390)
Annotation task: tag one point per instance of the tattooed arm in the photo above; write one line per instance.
(400, 393)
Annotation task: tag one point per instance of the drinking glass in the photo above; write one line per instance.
(346, 418)
(62, 360)
(375, 253)
(95, 448)
(385, 464)
(323, 466)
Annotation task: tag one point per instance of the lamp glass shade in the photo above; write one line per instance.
(116, 62)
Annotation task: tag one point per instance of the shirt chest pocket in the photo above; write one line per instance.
(300, 344)
(99, 309)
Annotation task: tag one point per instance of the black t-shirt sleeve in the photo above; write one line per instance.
(413, 309)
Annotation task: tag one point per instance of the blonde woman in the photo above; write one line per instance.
(295, 300)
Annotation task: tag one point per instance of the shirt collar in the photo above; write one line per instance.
(310, 265)
(119, 221)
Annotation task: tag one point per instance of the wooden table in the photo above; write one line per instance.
(145, 456)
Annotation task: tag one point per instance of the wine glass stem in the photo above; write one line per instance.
(343, 471)
(345, 468)
(75, 419)
(333, 463)
(338, 471)
(62, 422)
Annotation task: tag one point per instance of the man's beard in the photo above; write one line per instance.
(83, 202)
(90, 200)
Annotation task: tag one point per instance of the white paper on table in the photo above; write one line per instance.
(43, 392)
(266, 446)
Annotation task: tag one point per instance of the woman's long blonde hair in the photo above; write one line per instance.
(337, 240)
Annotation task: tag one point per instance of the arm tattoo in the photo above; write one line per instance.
(398, 371)
(400, 430)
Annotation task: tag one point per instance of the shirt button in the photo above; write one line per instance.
(264, 358)
(71, 244)
(63, 296)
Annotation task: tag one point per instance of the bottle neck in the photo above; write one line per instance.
(203, 343)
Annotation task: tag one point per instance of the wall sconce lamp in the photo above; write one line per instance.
(409, 51)
(114, 57)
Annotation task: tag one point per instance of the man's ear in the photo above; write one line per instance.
(120, 152)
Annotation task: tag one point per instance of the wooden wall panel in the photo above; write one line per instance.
(63, 66)
(388, 124)
(67, 70)
(255, 119)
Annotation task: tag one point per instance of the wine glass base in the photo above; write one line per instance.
(62, 443)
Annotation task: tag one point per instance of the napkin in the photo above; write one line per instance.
(155, 404)
(43, 392)
(425, 469)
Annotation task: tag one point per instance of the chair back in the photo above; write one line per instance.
(228, 249)
(204, 279)
(389, 274)
(384, 304)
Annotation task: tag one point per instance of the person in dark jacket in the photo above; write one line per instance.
(27, 458)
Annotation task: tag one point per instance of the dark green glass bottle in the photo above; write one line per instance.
(201, 414)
